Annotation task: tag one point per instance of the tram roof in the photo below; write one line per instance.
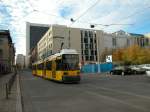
(63, 51)
(68, 51)
(38, 62)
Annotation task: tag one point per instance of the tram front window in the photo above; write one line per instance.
(70, 61)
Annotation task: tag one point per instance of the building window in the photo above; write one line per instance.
(147, 42)
(95, 40)
(86, 52)
(95, 52)
(85, 40)
(92, 52)
(91, 46)
(82, 57)
(86, 46)
(128, 42)
(90, 34)
(139, 41)
(86, 58)
(82, 52)
(91, 40)
(96, 58)
(86, 34)
(91, 58)
(114, 41)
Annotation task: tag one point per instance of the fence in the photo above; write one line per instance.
(97, 68)
(9, 84)
(6, 82)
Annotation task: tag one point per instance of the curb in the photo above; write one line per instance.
(19, 100)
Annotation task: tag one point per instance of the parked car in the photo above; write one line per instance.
(121, 70)
(148, 73)
(137, 70)
(147, 69)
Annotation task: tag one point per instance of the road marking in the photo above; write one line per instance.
(98, 95)
(121, 92)
(18, 104)
(116, 100)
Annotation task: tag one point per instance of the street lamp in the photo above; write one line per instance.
(98, 54)
(72, 20)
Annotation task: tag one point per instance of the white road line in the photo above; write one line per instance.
(121, 92)
(18, 104)
(116, 100)
(98, 95)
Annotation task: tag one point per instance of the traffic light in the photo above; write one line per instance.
(92, 26)
(72, 20)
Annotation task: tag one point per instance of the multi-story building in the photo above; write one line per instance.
(120, 39)
(59, 37)
(34, 32)
(7, 51)
(90, 44)
(132, 39)
(34, 56)
(20, 61)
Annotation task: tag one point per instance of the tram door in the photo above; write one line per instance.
(44, 70)
(53, 69)
(35, 69)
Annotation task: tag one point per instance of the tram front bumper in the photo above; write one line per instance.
(71, 78)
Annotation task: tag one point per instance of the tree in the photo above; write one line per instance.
(104, 54)
(117, 55)
(132, 55)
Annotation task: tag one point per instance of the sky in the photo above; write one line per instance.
(132, 16)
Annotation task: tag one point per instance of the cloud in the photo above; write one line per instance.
(15, 13)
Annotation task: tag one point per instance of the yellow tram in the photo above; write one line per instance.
(63, 66)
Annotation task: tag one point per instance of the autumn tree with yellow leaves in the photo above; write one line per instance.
(132, 55)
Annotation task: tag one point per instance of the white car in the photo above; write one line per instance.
(148, 73)
(147, 68)
(137, 70)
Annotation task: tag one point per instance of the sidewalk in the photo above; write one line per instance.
(7, 105)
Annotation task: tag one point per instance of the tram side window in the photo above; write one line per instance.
(34, 67)
(58, 65)
(40, 66)
(49, 65)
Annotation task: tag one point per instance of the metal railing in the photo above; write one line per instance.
(9, 85)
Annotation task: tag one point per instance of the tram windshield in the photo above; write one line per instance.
(70, 61)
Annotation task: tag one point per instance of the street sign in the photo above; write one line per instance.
(109, 58)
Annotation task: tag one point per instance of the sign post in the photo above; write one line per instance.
(109, 58)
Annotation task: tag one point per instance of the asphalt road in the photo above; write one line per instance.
(95, 93)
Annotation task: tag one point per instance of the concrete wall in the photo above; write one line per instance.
(75, 40)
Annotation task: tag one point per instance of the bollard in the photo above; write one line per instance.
(6, 88)
(8, 85)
